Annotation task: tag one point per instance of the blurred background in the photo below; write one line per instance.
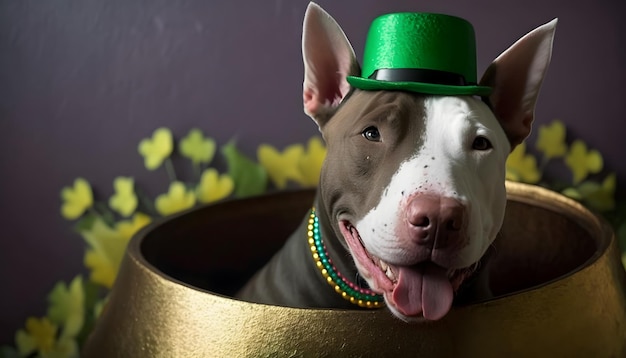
(83, 81)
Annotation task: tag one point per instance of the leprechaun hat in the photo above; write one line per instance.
(420, 52)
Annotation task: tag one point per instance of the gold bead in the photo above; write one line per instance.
(337, 289)
(352, 300)
(329, 279)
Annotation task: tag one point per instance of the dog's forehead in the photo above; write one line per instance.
(418, 112)
(456, 115)
(462, 107)
(376, 106)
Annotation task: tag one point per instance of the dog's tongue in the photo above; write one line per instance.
(425, 290)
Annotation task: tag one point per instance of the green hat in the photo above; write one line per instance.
(420, 52)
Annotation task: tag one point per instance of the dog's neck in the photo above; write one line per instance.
(292, 278)
(349, 287)
(335, 248)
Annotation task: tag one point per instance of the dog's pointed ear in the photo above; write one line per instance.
(328, 59)
(516, 77)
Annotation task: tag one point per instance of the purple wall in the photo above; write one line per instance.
(82, 81)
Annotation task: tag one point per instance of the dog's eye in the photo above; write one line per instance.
(481, 143)
(371, 134)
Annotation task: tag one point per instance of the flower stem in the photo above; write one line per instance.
(197, 171)
(92, 210)
(169, 166)
(103, 213)
(147, 203)
(543, 165)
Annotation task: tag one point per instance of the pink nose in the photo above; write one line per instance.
(436, 221)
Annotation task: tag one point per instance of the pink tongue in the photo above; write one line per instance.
(424, 290)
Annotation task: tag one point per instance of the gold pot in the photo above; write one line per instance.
(557, 275)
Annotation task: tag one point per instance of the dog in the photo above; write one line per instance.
(412, 191)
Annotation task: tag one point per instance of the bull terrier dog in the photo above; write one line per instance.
(412, 191)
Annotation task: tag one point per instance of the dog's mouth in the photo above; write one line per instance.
(421, 290)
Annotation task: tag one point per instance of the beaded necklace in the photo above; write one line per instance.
(349, 291)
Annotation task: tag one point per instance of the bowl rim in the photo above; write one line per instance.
(535, 195)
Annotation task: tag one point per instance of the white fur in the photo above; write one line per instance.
(475, 178)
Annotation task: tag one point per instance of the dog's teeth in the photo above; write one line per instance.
(383, 265)
(389, 274)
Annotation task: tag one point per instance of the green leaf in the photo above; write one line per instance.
(85, 223)
(250, 178)
(572, 193)
(67, 306)
(92, 297)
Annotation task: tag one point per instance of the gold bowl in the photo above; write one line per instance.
(556, 274)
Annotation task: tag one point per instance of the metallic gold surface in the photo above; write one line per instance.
(557, 272)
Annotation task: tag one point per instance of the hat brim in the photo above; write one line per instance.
(419, 87)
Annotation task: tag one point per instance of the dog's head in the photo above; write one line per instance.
(414, 183)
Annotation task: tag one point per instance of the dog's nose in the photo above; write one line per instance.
(436, 220)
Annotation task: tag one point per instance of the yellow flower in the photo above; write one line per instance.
(39, 336)
(521, 166)
(197, 148)
(128, 228)
(67, 307)
(156, 149)
(281, 167)
(583, 162)
(105, 254)
(213, 187)
(107, 247)
(176, 199)
(294, 163)
(310, 164)
(124, 201)
(551, 140)
(599, 196)
(76, 199)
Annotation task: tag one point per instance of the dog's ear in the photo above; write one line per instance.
(328, 59)
(516, 77)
